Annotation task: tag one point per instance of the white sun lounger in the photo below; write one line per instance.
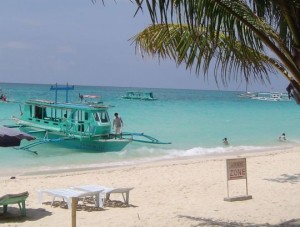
(105, 191)
(67, 193)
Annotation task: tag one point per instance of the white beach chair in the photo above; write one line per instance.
(105, 194)
(67, 194)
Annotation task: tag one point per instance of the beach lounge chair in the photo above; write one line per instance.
(13, 199)
(67, 194)
(105, 194)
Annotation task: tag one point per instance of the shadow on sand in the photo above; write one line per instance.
(220, 223)
(88, 205)
(13, 215)
(286, 178)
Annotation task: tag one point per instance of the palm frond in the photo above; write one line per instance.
(262, 25)
(197, 51)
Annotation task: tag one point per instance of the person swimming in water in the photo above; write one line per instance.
(225, 141)
(282, 137)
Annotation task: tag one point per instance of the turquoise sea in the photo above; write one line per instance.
(194, 121)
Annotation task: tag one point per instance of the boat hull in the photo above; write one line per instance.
(137, 98)
(84, 143)
(148, 96)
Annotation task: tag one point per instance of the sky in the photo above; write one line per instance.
(81, 43)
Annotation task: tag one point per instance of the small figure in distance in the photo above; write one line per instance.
(282, 137)
(3, 98)
(81, 97)
(225, 141)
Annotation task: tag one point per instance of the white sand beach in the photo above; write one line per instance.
(185, 192)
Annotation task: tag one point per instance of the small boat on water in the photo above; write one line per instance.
(91, 99)
(248, 94)
(83, 125)
(271, 96)
(139, 95)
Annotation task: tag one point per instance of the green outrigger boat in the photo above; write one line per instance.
(139, 95)
(83, 125)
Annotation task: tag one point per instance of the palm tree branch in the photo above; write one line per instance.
(290, 16)
(233, 17)
(197, 50)
(263, 31)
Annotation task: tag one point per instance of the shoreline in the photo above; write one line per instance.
(118, 164)
(178, 192)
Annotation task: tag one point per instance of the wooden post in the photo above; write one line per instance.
(73, 213)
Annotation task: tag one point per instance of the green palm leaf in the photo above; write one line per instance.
(240, 35)
(198, 50)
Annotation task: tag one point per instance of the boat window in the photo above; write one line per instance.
(101, 116)
(65, 114)
(40, 112)
(37, 113)
(82, 115)
(74, 116)
(49, 112)
(96, 116)
(79, 117)
(30, 110)
(104, 117)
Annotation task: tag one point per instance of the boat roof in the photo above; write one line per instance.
(140, 92)
(78, 106)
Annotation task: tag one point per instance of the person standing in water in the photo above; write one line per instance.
(117, 125)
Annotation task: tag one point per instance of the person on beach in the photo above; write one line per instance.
(282, 137)
(225, 141)
(117, 125)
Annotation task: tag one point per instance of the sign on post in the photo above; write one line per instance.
(236, 170)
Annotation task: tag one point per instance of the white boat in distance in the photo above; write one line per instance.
(271, 96)
(248, 94)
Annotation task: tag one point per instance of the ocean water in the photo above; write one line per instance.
(194, 121)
